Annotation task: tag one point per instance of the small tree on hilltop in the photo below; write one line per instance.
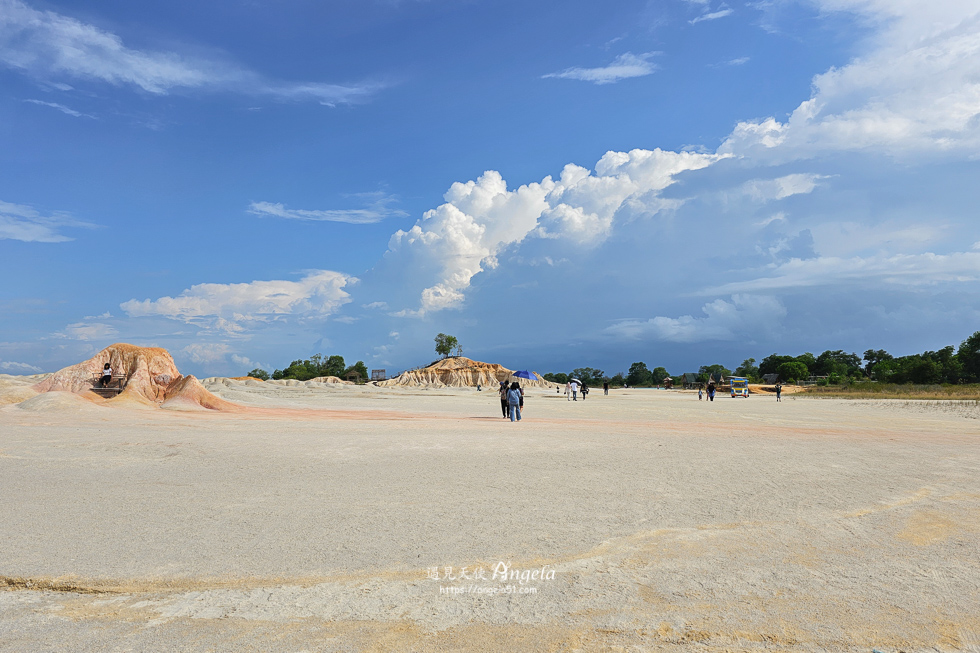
(447, 345)
(259, 373)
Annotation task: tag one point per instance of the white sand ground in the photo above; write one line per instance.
(312, 523)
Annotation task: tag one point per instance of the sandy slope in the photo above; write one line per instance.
(312, 520)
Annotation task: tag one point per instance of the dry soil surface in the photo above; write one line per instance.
(343, 518)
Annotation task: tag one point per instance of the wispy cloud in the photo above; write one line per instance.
(62, 108)
(909, 270)
(25, 223)
(721, 12)
(47, 46)
(732, 62)
(624, 66)
(377, 211)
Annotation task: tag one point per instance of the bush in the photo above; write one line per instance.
(259, 374)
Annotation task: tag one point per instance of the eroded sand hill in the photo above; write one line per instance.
(462, 372)
(151, 378)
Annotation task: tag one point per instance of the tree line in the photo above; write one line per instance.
(948, 365)
(313, 367)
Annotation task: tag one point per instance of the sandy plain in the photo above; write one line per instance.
(319, 519)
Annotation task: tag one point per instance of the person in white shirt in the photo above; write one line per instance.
(574, 387)
(106, 375)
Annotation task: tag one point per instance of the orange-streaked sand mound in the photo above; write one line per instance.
(151, 377)
(461, 372)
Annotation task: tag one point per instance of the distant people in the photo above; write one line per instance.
(568, 390)
(585, 391)
(514, 400)
(574, 387)
(605, 387)
(711, 390)
(106, 375)
(779, 392)
(503, 398)
(479, 388)
(699, 393)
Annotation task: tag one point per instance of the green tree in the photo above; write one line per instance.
(589, 375)
(770, 364)
(259, 373)
(556, 377)
(639, 374)
(748, 369)
(333, 366)
(359, 367)
(873, 358)
(807, 359)
(792, 371)
(619, 379)
(445, 345)
(836, 362)
(969, 357)
(659, 374)
(708, 372)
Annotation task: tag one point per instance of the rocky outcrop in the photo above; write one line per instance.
(461, 372)
(150, 372)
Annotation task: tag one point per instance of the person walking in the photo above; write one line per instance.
(514, 401)
(699, 392)
(779, 392)
(568, 390)
(605, 387)
(585, 390)
(574, 387)
(502, 391)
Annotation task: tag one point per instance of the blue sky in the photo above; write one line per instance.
(558, 184)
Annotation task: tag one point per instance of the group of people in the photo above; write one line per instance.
(573, 387)
(711, 391)
(511, 400)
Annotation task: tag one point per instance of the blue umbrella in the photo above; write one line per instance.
(524, 374)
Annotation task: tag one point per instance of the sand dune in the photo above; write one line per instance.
(461, 372)
(151, 378)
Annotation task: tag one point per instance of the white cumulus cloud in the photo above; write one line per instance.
(463, 237)
(917, 90)
(232, 307)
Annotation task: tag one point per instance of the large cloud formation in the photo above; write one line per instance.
(463, 237)
(915, 92)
